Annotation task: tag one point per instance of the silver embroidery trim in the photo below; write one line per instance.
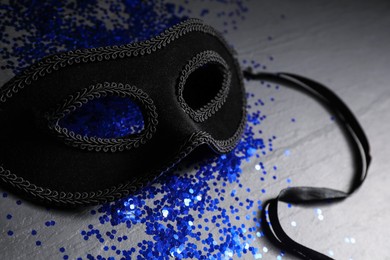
(201, 59)
(104, 144)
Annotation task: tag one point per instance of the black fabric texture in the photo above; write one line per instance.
(32, 153)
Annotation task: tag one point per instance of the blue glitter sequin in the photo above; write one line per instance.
(106, 117)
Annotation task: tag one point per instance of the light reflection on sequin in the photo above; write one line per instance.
(165, 213)
(187, 202)
(320, 216)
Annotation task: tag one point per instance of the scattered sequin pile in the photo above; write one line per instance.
(40, 28)
(179, 212)
(31, 30)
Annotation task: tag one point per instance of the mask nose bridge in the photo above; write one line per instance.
(163, 87)
(173, 120)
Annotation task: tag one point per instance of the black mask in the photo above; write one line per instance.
(185, 82)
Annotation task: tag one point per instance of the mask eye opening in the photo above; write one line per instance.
(204, 85)
(110, 116)
(125, 141)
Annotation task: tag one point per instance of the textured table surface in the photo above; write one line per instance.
(343, 44)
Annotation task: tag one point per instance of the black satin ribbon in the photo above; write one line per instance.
(309, 195)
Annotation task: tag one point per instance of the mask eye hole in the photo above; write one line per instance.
(203, 85)
(108, 117)
(105, 117)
